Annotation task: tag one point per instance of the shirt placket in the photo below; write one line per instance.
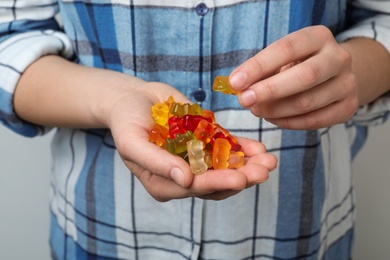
(199, 91)
(202, 17)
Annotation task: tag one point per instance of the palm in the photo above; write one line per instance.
(130, 125)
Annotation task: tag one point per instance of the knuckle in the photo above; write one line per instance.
(258, 63)
(289, 123)
(257, 111)
(311, 122)
(352, 106)
(349, 87)
(304, 103)
(269, 112)
(286, 47)
(345, 56)
(322, 31)
(270, 90)
(308, 74)
(286, 123)
(350, 82)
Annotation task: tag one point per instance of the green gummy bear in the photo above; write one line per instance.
(179, 144)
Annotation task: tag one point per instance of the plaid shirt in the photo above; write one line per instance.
(99, 209)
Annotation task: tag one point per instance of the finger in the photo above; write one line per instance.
(219, 195)
(255, 152)
(160, 188)
(252, 173)
(269, 161)
(335, 113)
(293, 47)
(251, 147)
(211, 184)
(255, 173)
(296, 79)
(218, 180)
(315, 98)
(156, 160)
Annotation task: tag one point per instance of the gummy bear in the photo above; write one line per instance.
(175, 126)
(160, 113)
(178, 145)
(208, 157)
(178, 109)
(209, 132)
(220, 132)
(236, 159)
(191, 122)
(158, 135)
(208, 114)
(196, 156)
(204, 131)
(221, 153)
(221, 84)
(192, 133)
(179, 125)
(170, 101)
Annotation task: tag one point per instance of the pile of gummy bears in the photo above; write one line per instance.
(191, 132)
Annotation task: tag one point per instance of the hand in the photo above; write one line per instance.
(302, 81)
(87, 97)
(166, 176)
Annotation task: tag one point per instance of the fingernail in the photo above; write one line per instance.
(247, 98)
(238, 80)
(178, 176)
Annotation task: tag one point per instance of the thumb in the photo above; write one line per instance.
(157, 161)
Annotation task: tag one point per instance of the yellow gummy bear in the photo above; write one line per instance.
(160, 113)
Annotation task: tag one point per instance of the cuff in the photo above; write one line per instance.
(376, 28)
(16, 54)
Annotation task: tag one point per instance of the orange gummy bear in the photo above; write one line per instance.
(158, 135)
(221, 153)
(221, 84)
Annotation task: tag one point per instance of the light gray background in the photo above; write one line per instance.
(24, 184)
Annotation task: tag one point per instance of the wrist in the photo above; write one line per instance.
(370, 67)
(113, 88)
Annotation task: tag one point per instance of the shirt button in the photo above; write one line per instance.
(200, 95)
(201, 9)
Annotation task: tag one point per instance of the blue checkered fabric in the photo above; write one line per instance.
(99, 210)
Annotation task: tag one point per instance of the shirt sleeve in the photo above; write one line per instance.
(28, 31)
(371, 19)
